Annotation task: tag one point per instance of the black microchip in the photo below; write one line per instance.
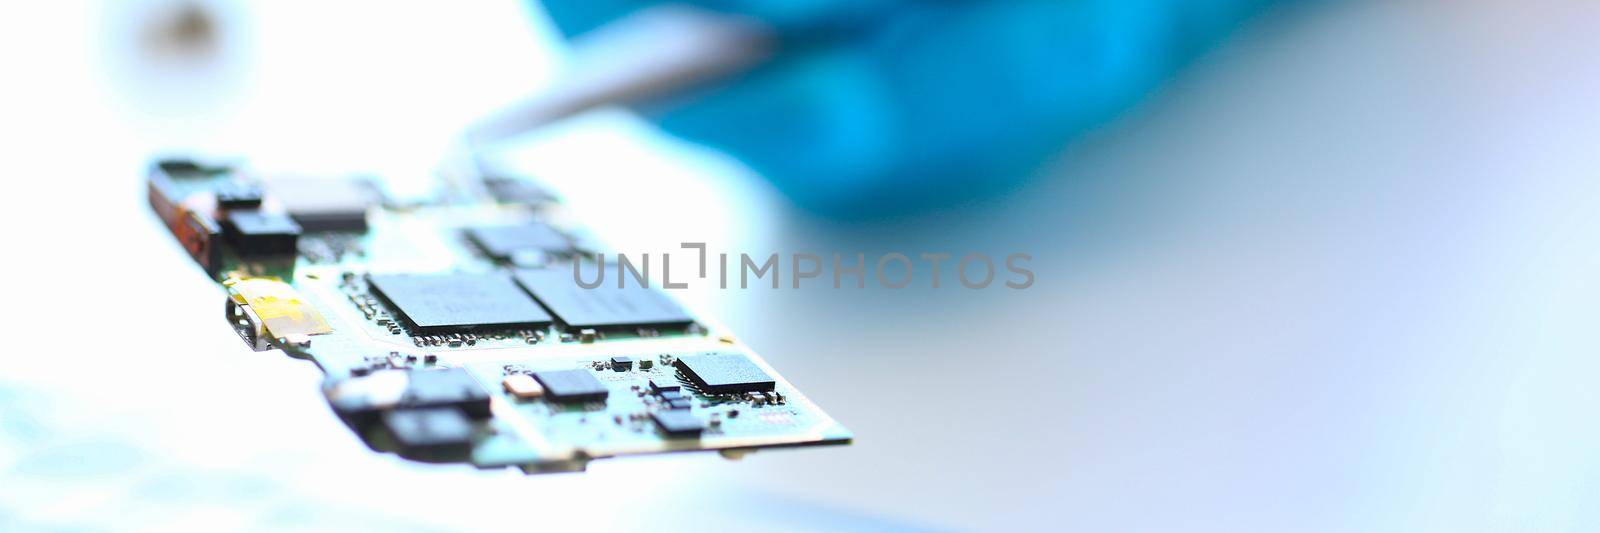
(678, 423)
(449, 387)
(432, 303)
(622, 363)
(678, 403)
(429, 431)
(664, 384)
(503, 242)
(576, 385)
(254, 233)
(238, 195)
(603, 307)
(723, 373)
(325, 204)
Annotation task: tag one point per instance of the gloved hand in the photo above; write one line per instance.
(881, 106)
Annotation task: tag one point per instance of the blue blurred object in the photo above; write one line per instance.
(884, 106)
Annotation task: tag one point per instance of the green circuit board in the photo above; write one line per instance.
(454, 328)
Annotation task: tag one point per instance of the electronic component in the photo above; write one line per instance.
(606, 306)
(575, 385)
(505, 242)
(256, 233)
(201, 237)
(678, 423)
(429, 432)
(458, 302)
(664, 384)
(173, 194)
(447, 270)
(722, 373)
(278, 309)
(446, 387)
(523, 386)
(238, 195)
(324, 204)
(358, 399)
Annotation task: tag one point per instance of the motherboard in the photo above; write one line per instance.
(453, 328)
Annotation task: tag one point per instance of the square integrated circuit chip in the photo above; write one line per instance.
(678, 423)
(575, 385)
(724, 373)
(503, 242)
(434, 303)
(603, 307)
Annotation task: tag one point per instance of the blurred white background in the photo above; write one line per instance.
(1341, 275)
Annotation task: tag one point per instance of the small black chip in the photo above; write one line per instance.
(432, 303)
(664, 384)
(678, 423)
(450, 387)
(622, 363)
(576, 385)
(238, 195)
(679, 403)
(603, 307)
(503, 242)
(722, 373)
(254, 233)
(422, 432)
(325, 204)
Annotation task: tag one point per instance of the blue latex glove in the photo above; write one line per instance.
(882, 106)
